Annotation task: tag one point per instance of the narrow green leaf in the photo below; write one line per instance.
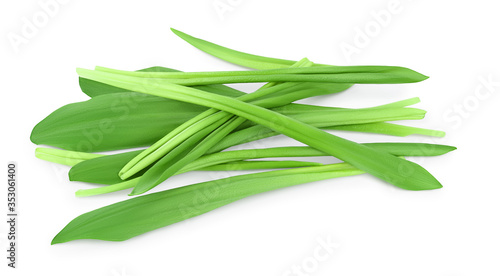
(233, 166)
(236, 57)
(323, 74)
(389, 129)
(259, 165)
(94, 88)
(104, 170)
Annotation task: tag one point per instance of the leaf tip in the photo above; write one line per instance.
(73, 174)
(418, 77)
(431, 183)
(177, 32)
(135, 192)
(140, 189)
(57, 239)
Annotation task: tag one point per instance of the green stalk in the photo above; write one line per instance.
(259, 165)
(64, 157)
(170, 165)
(367, 120)
(162, 170)
(230, 166)
(210, 119)
(406, 149)
(173, 139)
(259, 132)
(372, 121)
(388, 129)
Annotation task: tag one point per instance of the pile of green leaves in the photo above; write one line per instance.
(188, 121)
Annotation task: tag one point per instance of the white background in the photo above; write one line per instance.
(379, 230)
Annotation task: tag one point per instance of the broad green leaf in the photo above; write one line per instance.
(116, 118)
(112, 121)
(133, 217)
(103, 169)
